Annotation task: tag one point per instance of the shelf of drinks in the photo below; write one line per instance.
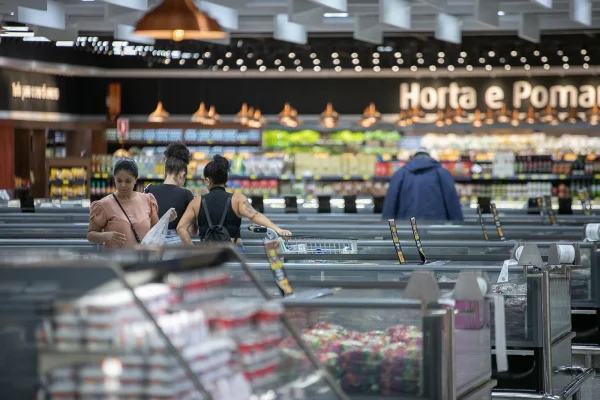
(166, 143)
(67, 182)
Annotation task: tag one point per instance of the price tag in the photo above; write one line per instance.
(346, 177)
(366, 177)
(475, 176)
(597, 176)
(503, 277)
(534, 177)
(501, 176)
(417, 237)
(317, 177)
(545, 177)
(96, 176)
(386, 157)
(252, 177)
(65, 182)
(394, 232)
(120, 141)
(104, 176)
(562, 176)
(149, 142)
(209, 141)
(486, 176)
(150, 176)
(298, 177)
(272, 248)
(497, 222)
(189, 176)
(242, 142)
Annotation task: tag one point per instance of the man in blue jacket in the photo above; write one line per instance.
(422, 189)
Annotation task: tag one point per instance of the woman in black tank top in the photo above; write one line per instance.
(216, 174)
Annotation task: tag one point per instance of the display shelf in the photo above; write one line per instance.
(187, 143)
(66, 182)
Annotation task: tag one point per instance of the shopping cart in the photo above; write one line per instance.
(307, 244)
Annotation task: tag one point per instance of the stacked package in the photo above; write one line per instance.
(380, 362)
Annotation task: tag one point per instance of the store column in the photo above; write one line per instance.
(7, 154)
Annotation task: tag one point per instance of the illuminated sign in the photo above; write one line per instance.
(25, 92)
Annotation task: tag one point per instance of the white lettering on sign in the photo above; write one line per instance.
(524, 94)
(35, 92)
(430, 98)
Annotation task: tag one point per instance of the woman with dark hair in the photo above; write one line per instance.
(170, 193)
(220, 206)
(122, 219)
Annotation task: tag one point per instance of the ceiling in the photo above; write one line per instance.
(295, 20)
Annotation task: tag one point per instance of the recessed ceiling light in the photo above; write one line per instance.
(546, 66)
(200, 62)
(299, 69)
(400, 61)
(313, 55)
(259, 62)
(450, 68)
(317, 68)
(413, 68)
(566, 66)
(228, 54)
(292, 55)
(207, 54)
(316, 61)
(544, 59)
(356, 61)
(376, 68)
(239, 61)
(421, 61)
(536, 53)
(297, 62)
(336, 61)
(586, 66)
(354, 55)
(375, 55)
(219, 62)
(523, 59)
(432, 68)
(527, 67)
(167, 61)
(397, 54)
(583, 52)
(560, 52)
(250, 55)
(501, 13)
(375, 61)
(262, 68)
(181, 62)
(463, 54)
(335, 15)
(358, 68)
(491, 53)
(441, 54)
(488, 67)
(513, 53)
(395, 68)
(469, 68)
(334, 55)
(243, 68)
(461, 60)
(338, 68)
(277, 62)
(226, 68)
(281, 69)
(586, 58)
(565, 58)
(419, 55)
(481, 60)
(440, 60)
(507, 67)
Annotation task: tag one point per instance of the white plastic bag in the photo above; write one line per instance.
(158, 233)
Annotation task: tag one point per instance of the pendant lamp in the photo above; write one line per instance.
(288, 117)
(212, 118)
(489, 117)
(159, 115)
(461, 116)
(178, 20)
(448, 117)
(243, 115)
(531, 117)
(548, 114)
(594, 116)
(439, 122)
(370, 116)
(504, 115)
(257, 121)
(477, 122)
(200, 115)
(572, 116)
(329, 117)
(401, 122)
(515, 120)
(417, 115)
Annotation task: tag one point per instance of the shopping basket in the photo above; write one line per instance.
(309, 245)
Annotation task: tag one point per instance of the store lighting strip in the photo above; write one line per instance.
(17, 34)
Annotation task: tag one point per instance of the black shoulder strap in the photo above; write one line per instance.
(227, 203)
(437, 171)
(137, 238)
(205, 207)
(147, 187)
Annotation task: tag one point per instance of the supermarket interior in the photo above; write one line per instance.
(411, 208)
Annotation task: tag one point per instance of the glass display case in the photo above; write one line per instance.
(145, 324)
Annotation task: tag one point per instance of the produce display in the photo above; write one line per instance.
(387, 363)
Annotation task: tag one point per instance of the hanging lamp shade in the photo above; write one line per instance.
(572, 116)
(593, 116)
(257, 121)
(159, 115)
(504, 116)
(548, 114)
(439, 121)
(417, 115)
(329, 117)
(212, 118)
(515, 120)
(288, 117)
(370, 116)
(477, 122)
(243, 115)
(489, 117)
(401, 122)
(448, 116)
(200, 115)
(461, 116)
(178, 20)
(531, 116)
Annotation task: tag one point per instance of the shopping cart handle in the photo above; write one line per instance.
(257, 229)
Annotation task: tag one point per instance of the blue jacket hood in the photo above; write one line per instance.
(421, 164)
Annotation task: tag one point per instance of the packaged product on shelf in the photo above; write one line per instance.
(196, 286)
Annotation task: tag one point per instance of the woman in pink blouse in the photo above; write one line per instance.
(121, 220)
